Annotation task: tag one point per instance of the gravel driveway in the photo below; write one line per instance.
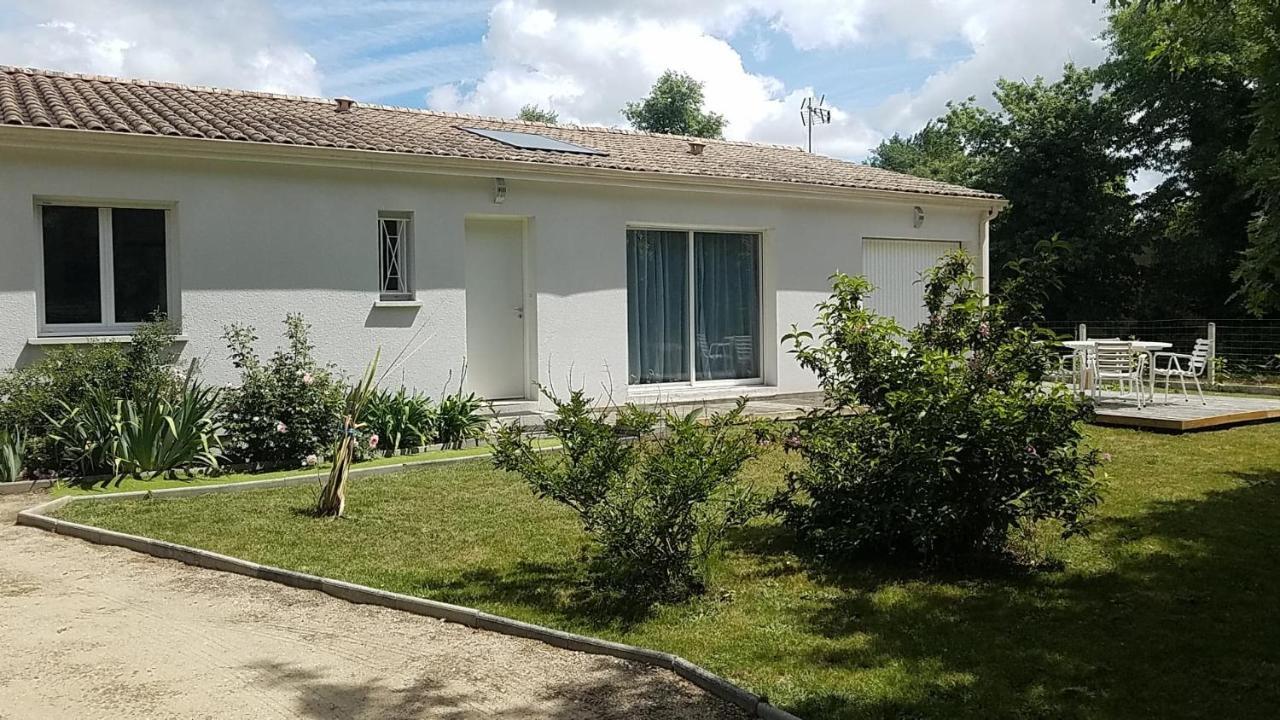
(88, 631)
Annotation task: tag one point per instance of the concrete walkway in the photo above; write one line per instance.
(97, 632)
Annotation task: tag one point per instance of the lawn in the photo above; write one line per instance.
(1168, 609)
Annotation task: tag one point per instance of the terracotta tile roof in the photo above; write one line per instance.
(47, 99)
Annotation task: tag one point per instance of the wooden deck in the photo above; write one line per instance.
(1178, 415)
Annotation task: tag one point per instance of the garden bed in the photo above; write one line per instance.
(1166, 610)
(97, 486)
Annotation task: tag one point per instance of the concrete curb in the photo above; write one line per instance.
(25, 486)
(41, 517)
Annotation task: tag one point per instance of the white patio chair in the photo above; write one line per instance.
(1183, 366)
(1067, 370)
(1118, 362)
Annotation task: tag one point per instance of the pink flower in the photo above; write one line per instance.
(307, 379)
(311, 460)
(984, 329)
(1032, 451)
(281, 427)
(373, 441)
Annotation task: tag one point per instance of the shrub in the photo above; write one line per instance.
(656, 502)
(142, 438)
(400, 419)
(32, 397)
(934, 442)
(286, 408)
(12, 449)
(458, 419)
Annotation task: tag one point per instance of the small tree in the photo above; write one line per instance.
(674, 106)
(938, 441)
(535, 113)
(657, 502)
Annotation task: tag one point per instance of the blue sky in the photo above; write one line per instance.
(884, 66)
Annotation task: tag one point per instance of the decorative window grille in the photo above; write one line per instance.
(395, 238)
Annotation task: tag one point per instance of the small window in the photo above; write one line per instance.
(105, 269)
(395, 254)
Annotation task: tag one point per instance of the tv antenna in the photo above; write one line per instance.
(812, 113)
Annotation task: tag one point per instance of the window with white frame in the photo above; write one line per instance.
(693, 306)
(104, 269)
(395, 255)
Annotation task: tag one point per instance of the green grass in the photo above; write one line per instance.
(129, 484)
(1168, 609)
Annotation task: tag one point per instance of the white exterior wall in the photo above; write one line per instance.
(255, 241)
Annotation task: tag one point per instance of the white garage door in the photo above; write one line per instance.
(894, 267)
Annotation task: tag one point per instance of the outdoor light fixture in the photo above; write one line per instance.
(499, 190)
(917, 216)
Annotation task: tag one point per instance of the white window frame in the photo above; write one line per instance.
(693, 381)
(404, 256)
(106, 270)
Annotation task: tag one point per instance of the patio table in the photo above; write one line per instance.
(1144, 346)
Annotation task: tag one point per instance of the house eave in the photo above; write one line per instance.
(75, 140)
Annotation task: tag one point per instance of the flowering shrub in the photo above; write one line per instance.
(936, 441)
(287, 409)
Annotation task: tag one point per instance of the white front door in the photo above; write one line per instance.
(495, 308)
(894, 268)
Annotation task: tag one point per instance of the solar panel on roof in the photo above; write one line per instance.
(531, 141)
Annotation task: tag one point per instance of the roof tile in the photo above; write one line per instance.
(41, 98)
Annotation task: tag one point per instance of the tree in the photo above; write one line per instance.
(674, 106)
(534, 113)
(936, 152)
(1181, 78)
(1259, 271)
(1052, 149)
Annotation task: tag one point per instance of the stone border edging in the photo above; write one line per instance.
(40, 517)
(25, 486)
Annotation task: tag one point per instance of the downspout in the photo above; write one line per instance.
(984, 241)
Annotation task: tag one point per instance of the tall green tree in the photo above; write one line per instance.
(1180, 75)
(936, 152)
(535, 113)
(1259, 271)
(1053, 150)
(674, 106)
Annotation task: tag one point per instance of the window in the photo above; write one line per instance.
(693, 306)
(395, 240)
(104, 269)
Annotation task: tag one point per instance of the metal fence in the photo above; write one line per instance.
(1239, 346)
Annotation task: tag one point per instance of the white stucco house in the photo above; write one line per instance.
(648, 265)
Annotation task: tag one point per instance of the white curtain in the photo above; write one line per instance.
(727, 305)
(657, 306)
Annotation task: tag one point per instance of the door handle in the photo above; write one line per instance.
(519, 312)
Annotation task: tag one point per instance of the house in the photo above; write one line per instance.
(642, 265)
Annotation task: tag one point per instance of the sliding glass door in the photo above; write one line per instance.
(693, 306)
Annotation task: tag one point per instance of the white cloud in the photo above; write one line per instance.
(586, 58)
(237, 44)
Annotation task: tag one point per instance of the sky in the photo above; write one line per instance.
(884, 66)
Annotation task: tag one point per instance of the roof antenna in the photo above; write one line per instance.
(812, 113)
